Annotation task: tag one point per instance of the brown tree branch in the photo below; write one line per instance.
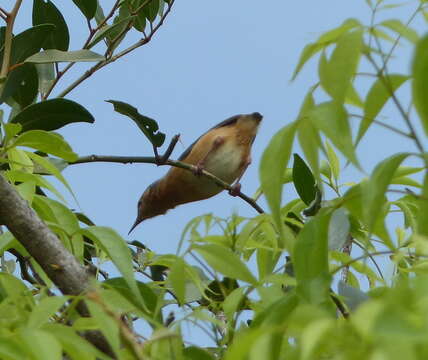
(10, 20)
(43, 245)
(155, 160)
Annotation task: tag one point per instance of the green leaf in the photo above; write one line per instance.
(309, 137)
(51, 115)
(12, 287)
(57, 213)
(324, 40)
(51, 56)
(43, 312)
(378, 95)
(420, 80)
(50, 143)
(40, 344)
(11, 349)
(22, 176)
(121, 286)
(225, 262)
(407, 170)
(106, 324)
(21, 84)
(29, 42)
(87, 7)
(308, 51)
(272, 166)
(196, 353)
(353, 297)
(422, 214)
(332, 119)
(19, 160)
(147, 125)
(375, 188)
(333, 35)
(311, 261)
(74, 345)
(177, 277)
(115, 247)
(403, 30)
(107, 31)
(151, 9)
(338, 229)
(48, 13)
(49, 168)
(337, 73)
(333, 160)
(304, 181)
(46, 73)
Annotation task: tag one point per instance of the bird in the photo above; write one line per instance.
(224, 151)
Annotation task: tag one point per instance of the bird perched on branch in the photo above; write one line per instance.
(223, 151)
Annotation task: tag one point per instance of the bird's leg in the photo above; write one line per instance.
(218, 141)
(236, 187)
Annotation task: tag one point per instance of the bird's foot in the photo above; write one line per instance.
(197, 170)
(235, 189)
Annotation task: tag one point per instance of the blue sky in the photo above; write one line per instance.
(211, 60)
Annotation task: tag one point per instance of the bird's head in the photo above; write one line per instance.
(248, 124)
(149, 205)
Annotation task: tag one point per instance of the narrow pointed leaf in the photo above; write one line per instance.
(147, 125)
(303, 179)
(375, 188)
(53, 55)
(225, 262)
(420, 81)
(272, 166)
(47, 142)
(378, 95)
(332, 119)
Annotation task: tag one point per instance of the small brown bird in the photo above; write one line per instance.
(224, 151)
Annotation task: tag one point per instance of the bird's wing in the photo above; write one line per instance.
(230, 121)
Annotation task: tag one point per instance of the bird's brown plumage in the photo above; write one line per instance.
(224, 151)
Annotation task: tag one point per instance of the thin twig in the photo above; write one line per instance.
(380, 123)
(179, 164)
(362, 257)
(339, 305)
(103, 63)
(400, 108)
(397, 40)
(370, 257)
(10, 20)
(4, 13)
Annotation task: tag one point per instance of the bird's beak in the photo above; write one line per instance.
(135, 225)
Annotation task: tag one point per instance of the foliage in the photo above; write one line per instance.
(265, 287)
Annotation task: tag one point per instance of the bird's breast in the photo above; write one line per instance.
(227, 161)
